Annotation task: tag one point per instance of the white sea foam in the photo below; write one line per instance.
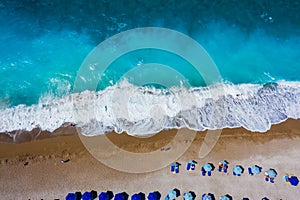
(144, 110)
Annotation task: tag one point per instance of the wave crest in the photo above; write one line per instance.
(146, 110)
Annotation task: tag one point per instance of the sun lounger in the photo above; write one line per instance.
(193, 167)
(267, 179)
(225, 169)
(203, 171)
(172, 168)
(208, 173)
(188, 167)
(220, 169)
(250, 171)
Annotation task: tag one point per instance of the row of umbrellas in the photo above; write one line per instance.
(238, 170)
(108, 195)
(172, 195)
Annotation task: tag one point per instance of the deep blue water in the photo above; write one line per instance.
(43, 43)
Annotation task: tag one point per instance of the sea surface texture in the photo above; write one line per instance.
(255, 46)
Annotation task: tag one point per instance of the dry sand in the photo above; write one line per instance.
(45, 177)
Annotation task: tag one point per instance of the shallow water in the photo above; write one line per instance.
(45, 42)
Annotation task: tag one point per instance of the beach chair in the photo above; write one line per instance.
(219, 168)
(192, 167)
(188, 167)
(172, 168)
(203, 171)
(267, 179)
(250, 171)
(286, 179)
(208, 173)
(234, 173)
(272, 180)
(225, 169)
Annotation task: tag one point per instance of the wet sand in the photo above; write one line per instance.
(33, 170)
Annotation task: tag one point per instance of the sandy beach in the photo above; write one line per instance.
(33, 170)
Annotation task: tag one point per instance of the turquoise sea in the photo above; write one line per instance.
(255, 46)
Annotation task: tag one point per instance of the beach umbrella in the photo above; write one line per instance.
(87, 196)
(192, 162)
(172, 194)
(175, 164)
(256, 169)
(294, 180)
(71, 196)
(119, 196)
(238, 169)
(224, 162)
(103, 196)
(272, 173)
(207, 197)
(136, 197)
(208, 167)
(152, 196)
(188, 196)
(226, 197)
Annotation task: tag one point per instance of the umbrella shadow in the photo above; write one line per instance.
(177, 192)
(142, 195)
(228, 196)
(78, 195)
(158, 195)
(110, 194)
(242, 170)
(194, 161)
(193, 194)
(94, 194)
(126, 196)
(212, 196)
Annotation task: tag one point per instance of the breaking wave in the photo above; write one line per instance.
(147, 110)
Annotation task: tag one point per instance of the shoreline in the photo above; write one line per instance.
(34, 170)
(22, 136)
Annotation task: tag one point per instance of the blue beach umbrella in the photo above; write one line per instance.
(207, 197)
(87, 196)
(256, 169)
(208, 167)
(188, 196)
(119, 196)
(172, 194)
(103, 196)
(272, 173)
(192, 162)
(71, 196)
(175, 164)
(224, 162)
(136, 197)
(226, 197)
(238, 169)
(152, 196)
(294, 180)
